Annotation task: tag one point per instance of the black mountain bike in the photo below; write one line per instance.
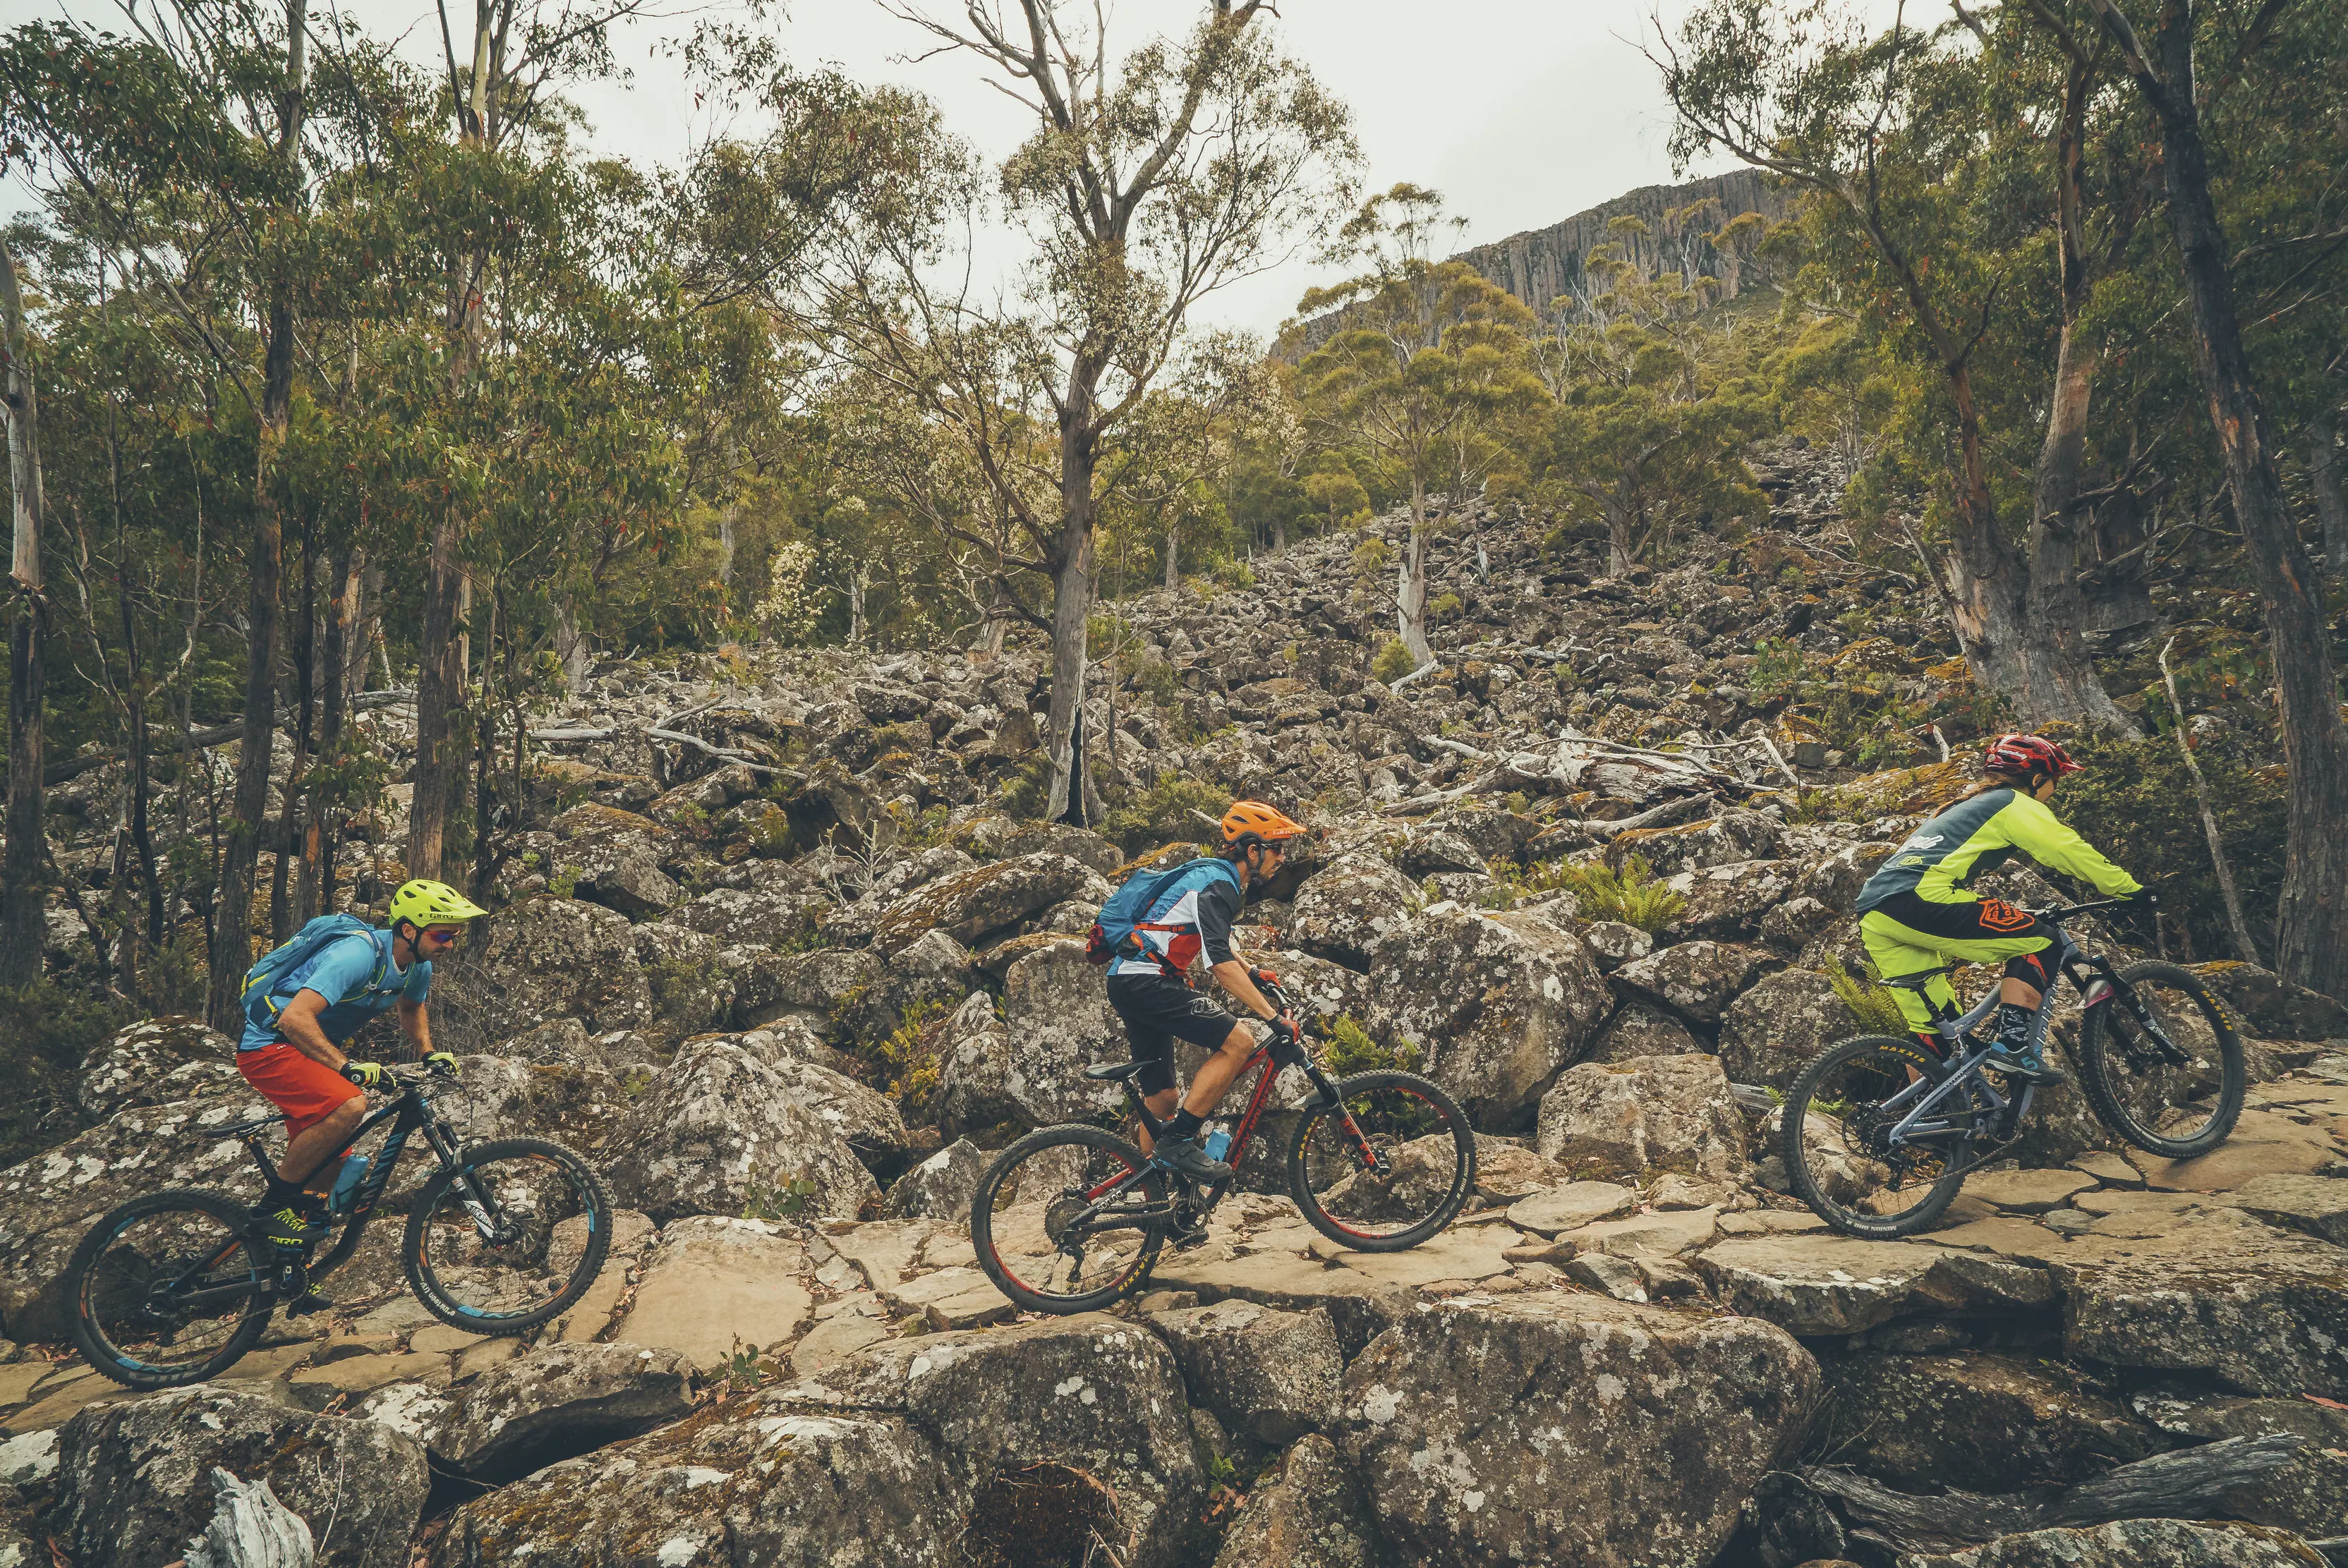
(1878, 1133)
(173, 1288)
(1070, 1218)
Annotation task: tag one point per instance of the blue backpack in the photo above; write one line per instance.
(1112, 935)
(308, 942)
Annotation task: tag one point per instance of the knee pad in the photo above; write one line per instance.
(2029, 968)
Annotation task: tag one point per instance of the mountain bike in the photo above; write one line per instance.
(173, 1288)
(1878, 1133)
(1072, 1217)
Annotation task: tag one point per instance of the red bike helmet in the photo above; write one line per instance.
(2026, 755)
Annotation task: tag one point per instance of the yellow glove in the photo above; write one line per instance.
(366, 1074)
(444, 1063)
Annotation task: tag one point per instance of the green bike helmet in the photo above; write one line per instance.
(422, 903)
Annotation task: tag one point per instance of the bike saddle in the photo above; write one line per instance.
(1919, 980)
(1112, 1071)
(246, 1129)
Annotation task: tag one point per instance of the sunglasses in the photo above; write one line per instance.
(443, 937)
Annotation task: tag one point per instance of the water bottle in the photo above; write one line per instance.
(346, 1185)
(1217, 1144)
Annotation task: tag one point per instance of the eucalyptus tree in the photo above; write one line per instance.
(1151, 177)
(21, 933)
(1424, 365)
(1652, 409)
(2312, 920)
(1862, 121)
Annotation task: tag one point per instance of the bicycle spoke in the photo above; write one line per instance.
(1390, 1161)
(2165, 1066)
(487, 1241)
(1068, 1220)
(167, 1291)
(1866, 1140)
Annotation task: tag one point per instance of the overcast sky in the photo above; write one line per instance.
(1521, 112)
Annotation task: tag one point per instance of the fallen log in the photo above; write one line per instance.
(201, 740)
(2188, 1484)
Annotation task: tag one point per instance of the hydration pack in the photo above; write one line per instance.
(307, 943)
(1112, 935)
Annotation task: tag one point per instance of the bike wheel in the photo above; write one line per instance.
(1069, 1219)
(1833, 1136)
(2161, 1063)
(168, 1290)
(509, 1240)
(1386, 1166)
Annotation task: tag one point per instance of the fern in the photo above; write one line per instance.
(1875, 1008)
(1634, 896)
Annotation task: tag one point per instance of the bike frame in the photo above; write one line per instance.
(409, 1115)
(2092, 975)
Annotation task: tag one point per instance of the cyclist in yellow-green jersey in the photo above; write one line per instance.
(1918, 910)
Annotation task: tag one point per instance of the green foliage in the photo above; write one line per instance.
(1779, 669)
(1447, 605)
(1392, 662)
(1876, 1010)
(906, 1061)
(563, 882)
(2133, 802)
(1350, 1050)
(1166, 812)
(1235, 574)
(787, 1199)
(46, 1029)
(1634, 896)
(1026, 791)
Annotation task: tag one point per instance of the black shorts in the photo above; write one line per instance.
(1157, 1011)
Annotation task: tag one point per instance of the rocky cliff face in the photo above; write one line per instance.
(1541, 266)
(794, 980)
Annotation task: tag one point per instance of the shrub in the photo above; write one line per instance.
(1163, 812)
(1235, 574)
(1446, 604)
(2135, 803)
(46, 1029)
(1779, 667)
(1350, 1050)
(906, 1062)
(1875, 1008)
(1634, 896)
(1392, 663)
(1370, 556)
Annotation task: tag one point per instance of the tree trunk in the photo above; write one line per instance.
(725, 546)
(2324, 478)
(439, 689)
(318, 843)
(1173, 550)
(990, 631)
(2312, 921)
(1410, 601)
(1071, 595)
(572, 647)
(296, 862)
(232, 952)
(27, 849)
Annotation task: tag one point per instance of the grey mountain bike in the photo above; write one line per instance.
(1878, 1133)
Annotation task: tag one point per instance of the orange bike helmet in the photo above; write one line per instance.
(1252, 822)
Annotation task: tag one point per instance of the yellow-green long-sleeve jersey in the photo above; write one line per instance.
(1940, 859)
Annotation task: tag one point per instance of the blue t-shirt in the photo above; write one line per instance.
(344, 972)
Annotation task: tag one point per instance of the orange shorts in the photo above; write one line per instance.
(307, 1090)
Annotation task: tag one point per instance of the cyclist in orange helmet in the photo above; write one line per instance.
(1188, 919)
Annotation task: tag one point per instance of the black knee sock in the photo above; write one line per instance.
(1185, 1124)
(2013, 1021)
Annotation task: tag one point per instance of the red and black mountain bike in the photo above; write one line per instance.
(1072, 1217)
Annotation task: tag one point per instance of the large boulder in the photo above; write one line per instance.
(1640, 1028)
(1696, 979)
(156, 1063)
(1816, 1285)
(1309, 1514)
(545, 958)
(1570, 1430)
(756, 918)
(1497, 1005)
(1346, 909)
(941, 1187)
(973, 1056)
(988, 899)
(1267, 1375)
(50, 1201)
(2135, 1544)
(1772, 1031)
(823, 990)
(1834, 880)
(753, 1479)
(1088, 1393)
(1649, 1114)
(1727, 902)
(1978, 1422)
(133, 1479)
(692, 982)
(2309, 1494)
(1732, 836)
(721, 1133)
(1056, 1022)
(563, 1400)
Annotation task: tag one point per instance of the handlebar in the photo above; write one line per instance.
(2096, 905)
